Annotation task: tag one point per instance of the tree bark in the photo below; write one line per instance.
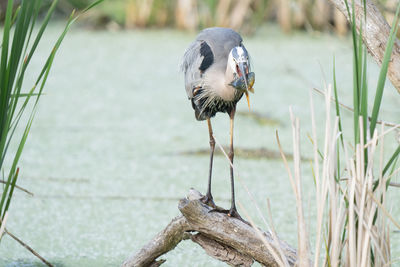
(222, 252)
(163, 242)
(227, 239)
(375, 35)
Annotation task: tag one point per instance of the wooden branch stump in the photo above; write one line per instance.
(227, 239)
(375, 35)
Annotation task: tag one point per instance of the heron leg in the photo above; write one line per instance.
(208, 199)
(232, 212)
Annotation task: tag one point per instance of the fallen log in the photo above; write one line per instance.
(231, 240)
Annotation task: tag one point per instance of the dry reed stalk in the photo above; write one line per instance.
(260, 235)
(351, 215)
(274, 235)
(161, 17)
(303, 250)
(28, 248)
(289, 14)
(301, 225)
(389, 124)
(3, 224)
(299, 14)
(18, 187)
(223, 12)
(238, 14)
(280, 259)
(130, 14)
(321, 183)
(138, 13)
(340, 22)
(284, 15)
(320, 17)
(186, 14)
(143, 11)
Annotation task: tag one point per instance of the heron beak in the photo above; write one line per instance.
(247, 97)
(244, 70)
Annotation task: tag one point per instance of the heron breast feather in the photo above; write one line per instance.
(214, 82)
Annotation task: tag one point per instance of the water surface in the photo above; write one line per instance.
(104, 156)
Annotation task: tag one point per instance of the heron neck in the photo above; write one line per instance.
(229, 89)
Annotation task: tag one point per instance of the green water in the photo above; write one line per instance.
(104, 156)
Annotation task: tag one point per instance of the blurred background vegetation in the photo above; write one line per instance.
(96, 150)
(192, 15)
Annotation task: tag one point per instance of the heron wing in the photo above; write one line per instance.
(196, 60)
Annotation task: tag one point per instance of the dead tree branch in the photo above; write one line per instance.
(225, 238)
(375, 35)
(163, 242)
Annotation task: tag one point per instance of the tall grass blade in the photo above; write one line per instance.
(364, 90)
(4, 194)
(13, 183)
(16, 54)
(337, 101)
(3, 73)
(392, 159)
(383, 71)
(29, 56)
(339, 122)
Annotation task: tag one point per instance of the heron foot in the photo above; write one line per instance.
(231, 213)
(208, 200)
(234, 213)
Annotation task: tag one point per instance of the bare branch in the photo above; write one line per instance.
(163, 242)
(225, 238)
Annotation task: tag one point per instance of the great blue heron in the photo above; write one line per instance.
(217, 74)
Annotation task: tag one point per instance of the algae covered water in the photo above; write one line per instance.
(106, 159)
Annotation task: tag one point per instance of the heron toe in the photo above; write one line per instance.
(208, 200)
(233, 213)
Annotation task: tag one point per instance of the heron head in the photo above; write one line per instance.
(243, 79)
(239, 61)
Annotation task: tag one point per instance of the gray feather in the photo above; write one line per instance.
(220, 41)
